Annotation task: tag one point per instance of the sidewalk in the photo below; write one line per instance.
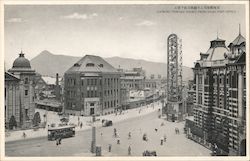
(52, 117)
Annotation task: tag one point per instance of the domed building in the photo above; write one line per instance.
(19, 94)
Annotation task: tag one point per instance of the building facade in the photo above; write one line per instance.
(133, 79)
(91, 87)
(220, 96)
(20, 93)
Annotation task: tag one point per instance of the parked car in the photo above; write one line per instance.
(149, 153)
(107, 123)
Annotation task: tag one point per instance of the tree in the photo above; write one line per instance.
(36, 119)
(12, 122)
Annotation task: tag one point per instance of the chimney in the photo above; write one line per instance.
(57, 90)
(57, 82)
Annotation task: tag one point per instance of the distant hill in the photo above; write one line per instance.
(49, 64)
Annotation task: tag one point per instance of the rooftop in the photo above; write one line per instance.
(238, 40)
(92, 63)
(21, 62)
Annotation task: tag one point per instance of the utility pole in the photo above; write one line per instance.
(93, 142)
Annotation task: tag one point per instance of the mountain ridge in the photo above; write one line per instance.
(47, 63)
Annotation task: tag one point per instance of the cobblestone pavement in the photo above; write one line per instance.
(176, 145)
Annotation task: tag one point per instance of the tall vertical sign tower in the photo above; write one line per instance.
(174, 106)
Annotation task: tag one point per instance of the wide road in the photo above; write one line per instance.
(176, 145)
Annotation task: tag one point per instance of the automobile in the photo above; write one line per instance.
(149, 153)
(106, 123)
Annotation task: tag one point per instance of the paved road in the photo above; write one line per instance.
(176, 145)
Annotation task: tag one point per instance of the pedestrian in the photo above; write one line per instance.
(110, 146)
(81, 125)
(165, 137)
(175, 130)
(156, 130)
(59, 140)
(24, 135)
(118, 141)
(129, 135)
(129, 150)
(101, 133)
(161, 140)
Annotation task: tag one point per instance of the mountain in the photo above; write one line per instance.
(49, 64)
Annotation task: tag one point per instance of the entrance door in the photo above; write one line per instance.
(92, 111)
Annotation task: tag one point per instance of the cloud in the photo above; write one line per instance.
(15, 20)
(146, 23)
(80, 16)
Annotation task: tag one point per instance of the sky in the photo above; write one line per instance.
(130, 31)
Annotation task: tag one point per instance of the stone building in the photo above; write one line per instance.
(20, 93)
(91, 87)
(220, 96)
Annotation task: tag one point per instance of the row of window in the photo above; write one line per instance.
(94, 81)
(109, 104)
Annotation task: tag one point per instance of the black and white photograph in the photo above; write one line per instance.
(125, 79)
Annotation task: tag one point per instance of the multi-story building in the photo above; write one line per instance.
(19, 93)
(220, 95)
(91, 87)
(133, 79)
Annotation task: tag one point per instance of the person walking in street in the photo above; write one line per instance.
(129, 135)
(110, 146)
(165, 137)
(59, 140)
(24, 135)
(178, 132)
(81, 125)
(118, 141)
(115, 132)
(161, 140)
(129, 150)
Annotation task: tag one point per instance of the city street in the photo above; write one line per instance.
(176, 144)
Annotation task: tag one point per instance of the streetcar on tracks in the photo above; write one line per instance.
(61, 132)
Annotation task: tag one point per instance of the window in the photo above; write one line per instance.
(90, 65)
(92, 104)
(234, 94)
(26, 92)
(26, 80)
